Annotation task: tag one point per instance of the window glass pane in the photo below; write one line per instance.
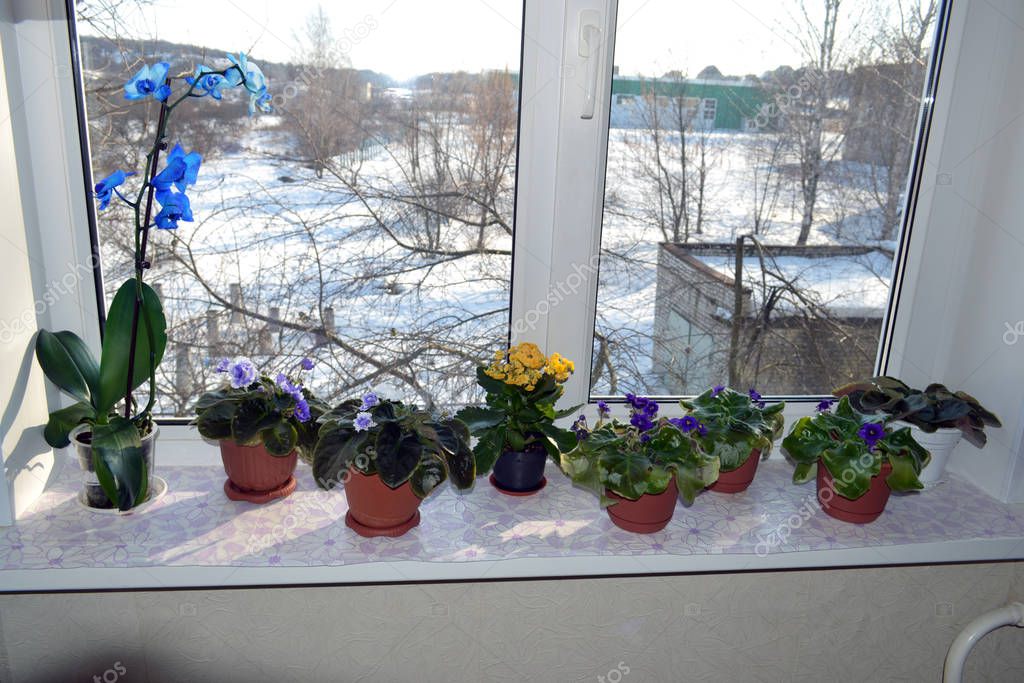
(366, 222)
(790, 125)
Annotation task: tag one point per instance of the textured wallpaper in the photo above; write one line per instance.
(891, 624)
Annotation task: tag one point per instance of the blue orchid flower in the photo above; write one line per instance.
(149, 81)
(174, 207)
(181, 171)
(105, 189)
(209, 82)
(251, 75)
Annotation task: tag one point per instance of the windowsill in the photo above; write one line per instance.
(195, 536)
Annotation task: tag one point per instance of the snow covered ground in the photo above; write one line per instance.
(301, 244)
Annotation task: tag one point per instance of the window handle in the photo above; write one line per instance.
(589, 47)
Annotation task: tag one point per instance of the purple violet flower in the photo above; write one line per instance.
(223, 365)
(242, 373)
(824, 405)
(302, 410)
(370, 399)
(755, 398)
(871, 433)
(363, 422)
(603, 410)
(717, 390)
(307, 363)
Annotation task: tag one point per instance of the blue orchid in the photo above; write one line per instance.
(251, 75)
(175, 207)
(181, 171)
(149, 81)
(106, 188)
(208, 81)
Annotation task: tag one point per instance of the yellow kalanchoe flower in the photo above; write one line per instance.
(525, 365)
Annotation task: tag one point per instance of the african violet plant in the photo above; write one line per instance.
(135, 335)
(251, 408)
(522, 386)
(735, 424)
(640, 457)
(398, 442)
(936, 407)
(852, 447)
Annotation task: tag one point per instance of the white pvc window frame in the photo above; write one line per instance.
(560, 190)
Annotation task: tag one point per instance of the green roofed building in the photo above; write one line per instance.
(706, 103)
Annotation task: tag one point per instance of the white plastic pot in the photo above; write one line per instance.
(940, 444)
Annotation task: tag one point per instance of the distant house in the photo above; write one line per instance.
(708, 104)
(810, 316)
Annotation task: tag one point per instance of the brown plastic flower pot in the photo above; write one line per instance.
(865, 509)
(375, 509)
(646, 514)
(738, 479)
(256, 476)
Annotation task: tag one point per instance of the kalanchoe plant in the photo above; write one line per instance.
(398, 442)
(252, 408)
(934, 408)
(522, 386)
(853, 446)
(639, 457)
(731, 425)
(135, 335)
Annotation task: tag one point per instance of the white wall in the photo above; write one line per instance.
(26, 457)
(813, 626)
(970, 241)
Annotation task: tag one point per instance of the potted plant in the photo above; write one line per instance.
(113, 432)
(389, 456)
(937, 417)
(262, 425)
(640, 468)
(736, 428)
(858, 461)
(515, 431)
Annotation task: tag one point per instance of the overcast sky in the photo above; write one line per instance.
(404, 38)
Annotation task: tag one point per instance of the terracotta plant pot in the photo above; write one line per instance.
(520, 473)
(375, 509)
(255, 475)
(646, 514)
(865, 509)
(738, 479)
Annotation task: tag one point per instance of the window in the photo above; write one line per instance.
(412, 243)
(791, 172)
(366, 223)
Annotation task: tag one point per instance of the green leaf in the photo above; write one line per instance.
(62, 421)
(462, 467)
(488, 448)
(903, 476)
(280, 439)
(334, 453)
(398, 454)
(733, 451)
(429, 475)
(804, 472)
(565, 440)
(59, 365)
(250, 419)
(479, 419)
(214, 421)
(113, 373)
(118, 460)
(627, 473)
(851, 468)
